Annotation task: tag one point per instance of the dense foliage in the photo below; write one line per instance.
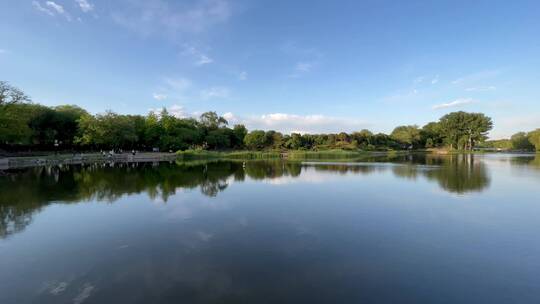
(25, 124)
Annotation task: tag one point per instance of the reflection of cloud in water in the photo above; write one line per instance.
(84, 293)
(185, 207)
(59, 288)
(204, 236)
(307, 176)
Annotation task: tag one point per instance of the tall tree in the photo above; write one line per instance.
(462, 130)
(255, 140)
(11, 95)
(431, 135)
(109, 130)
(409, 135)
(240, 132)
(212, 121)
(520, 141)
(534, 138)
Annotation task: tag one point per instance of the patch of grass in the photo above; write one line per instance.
(203, 154)
(291, 154)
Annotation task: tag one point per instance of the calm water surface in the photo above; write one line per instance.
(414, 229)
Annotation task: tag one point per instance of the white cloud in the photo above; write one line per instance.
(481, 89)
(51, 8)
(199, 57)
(301, 68)
(85, 5)
(203, 59)
(159, 97)
(455, 103)
(178, 84)
(419, 79)
(171, 18)
(435, 79)
(175, 110)
(289, 123)
(57, 7)
(293, 49)
(476, 77)
(42, 9)
(215, 92)
(231, 118)
(243, 75)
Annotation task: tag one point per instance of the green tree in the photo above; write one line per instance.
(212, 121)
(431, 135)
(109, 130)
(534, 138)
(462, 130)
(520, 141)
(14, 119)
(11, 95)
(255, 140)
(409, 135)
(240, 132)
(219, 138)
(294, 141)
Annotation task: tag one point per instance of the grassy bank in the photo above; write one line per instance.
(292, 154)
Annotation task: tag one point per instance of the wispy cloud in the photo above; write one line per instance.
(215, 92)
(3, 51)
(476, 77)
(294, 49)
(419, 79)
(301, 68)
(178, 84)
(435, 79)
(242, 75)
(159, 97)
(85, 5)
(481, 89)
(173, 88)
(57, 7)
(160, 17)
(231, 118)
(455, 103)
(51, 8)
(198, 56)
(203, 59)
(175, 110)
(41, 8)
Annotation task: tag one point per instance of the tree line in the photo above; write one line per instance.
(30, 125)
(521, 141)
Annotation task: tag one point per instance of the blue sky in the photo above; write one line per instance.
(310, 66)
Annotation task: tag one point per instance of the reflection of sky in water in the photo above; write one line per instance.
(436, 232)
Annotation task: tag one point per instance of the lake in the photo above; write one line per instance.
(403, 229)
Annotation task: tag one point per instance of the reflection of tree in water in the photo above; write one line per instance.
(272, 169)
(348, 167)
(454, 173)
(532, 161)
(24, 192)
(460, 174)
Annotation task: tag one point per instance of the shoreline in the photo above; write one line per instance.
(82, 158)
(86, 158)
